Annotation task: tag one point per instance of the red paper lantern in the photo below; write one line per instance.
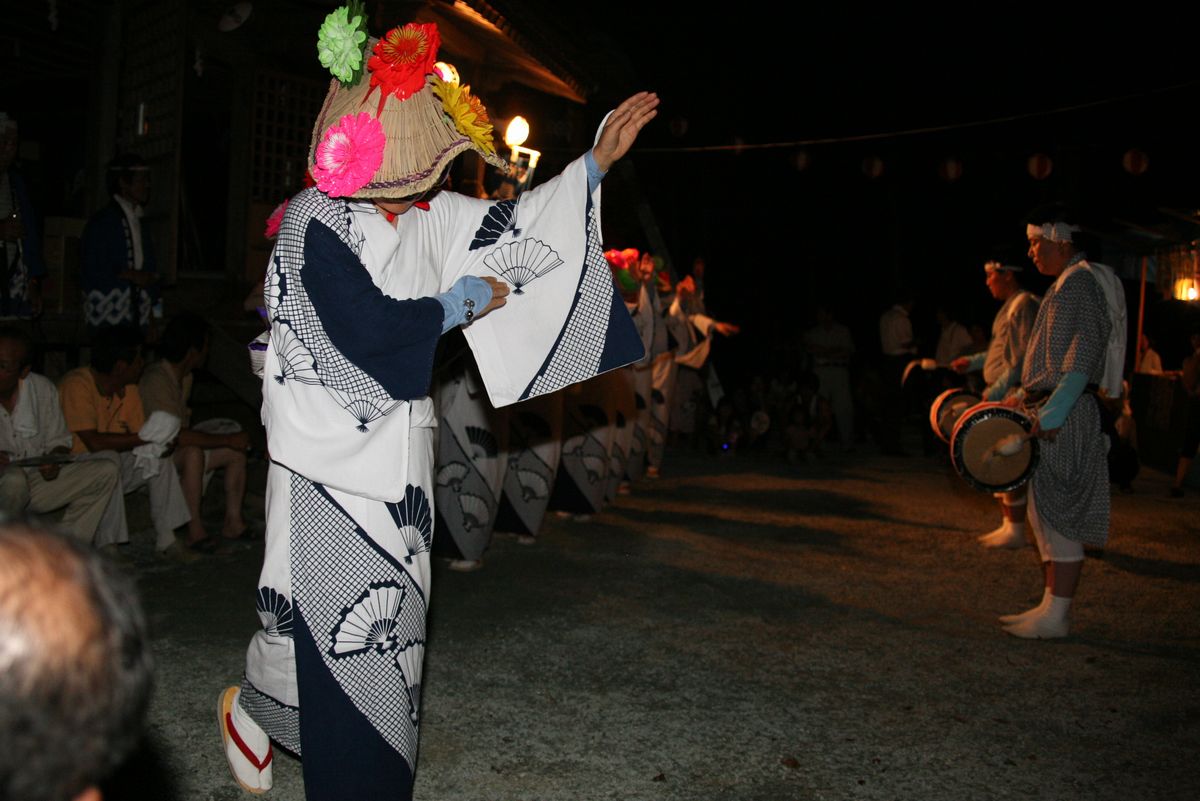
(1135, 161)
(1040, 166)
(950, 170)
(872, 166)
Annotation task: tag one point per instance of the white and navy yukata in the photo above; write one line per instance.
(472, 441)
(534, 449)
(335, 673)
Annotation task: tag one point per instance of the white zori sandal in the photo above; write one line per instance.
(244, 741)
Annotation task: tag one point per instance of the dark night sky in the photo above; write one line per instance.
(778, 238)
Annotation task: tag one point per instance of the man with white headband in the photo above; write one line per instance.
(1001, 365)
(370, 268)
(1074, 361)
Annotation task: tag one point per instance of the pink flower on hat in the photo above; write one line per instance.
(349, 155)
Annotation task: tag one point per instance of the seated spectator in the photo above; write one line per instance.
(724, 428)
(166, 386)
(75, 668)
(810, 422)
(104, 411)
(32, 429)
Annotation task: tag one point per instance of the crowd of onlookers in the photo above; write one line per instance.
(112, 427)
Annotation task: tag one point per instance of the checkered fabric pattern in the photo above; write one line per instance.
(335, 567)
(576, 355)
(1070, 334)
(280, 721)
(305, 352)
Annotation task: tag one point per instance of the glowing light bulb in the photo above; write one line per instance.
(517, 132)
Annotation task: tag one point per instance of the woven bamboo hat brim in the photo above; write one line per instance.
(421, 138)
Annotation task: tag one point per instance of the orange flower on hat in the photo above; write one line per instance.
(467, 113)
(402, 58)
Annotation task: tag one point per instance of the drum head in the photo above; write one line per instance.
(946, 410)
(974, 451)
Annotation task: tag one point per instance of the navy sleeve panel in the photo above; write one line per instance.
(390, 340)
(622, 345)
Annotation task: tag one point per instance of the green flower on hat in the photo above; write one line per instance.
(340, 42)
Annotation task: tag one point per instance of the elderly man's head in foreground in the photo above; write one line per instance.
(75, 673)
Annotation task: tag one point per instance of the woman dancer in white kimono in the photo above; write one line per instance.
(335, 673)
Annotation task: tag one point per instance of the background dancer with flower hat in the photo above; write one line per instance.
(370, 268)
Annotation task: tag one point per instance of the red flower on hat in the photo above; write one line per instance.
(402, 59)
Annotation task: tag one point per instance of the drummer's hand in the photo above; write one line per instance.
(1048, 434)
(500, 292)
(960, 364)
(1012, 402)
(623, 127)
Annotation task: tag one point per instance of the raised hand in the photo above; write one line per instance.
(623, 127)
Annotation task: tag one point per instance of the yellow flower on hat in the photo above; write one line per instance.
(467, 112)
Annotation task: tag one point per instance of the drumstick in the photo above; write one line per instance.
(928, 365)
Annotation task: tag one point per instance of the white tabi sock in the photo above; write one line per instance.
(250, 732)
(1051, 624)
(247, 746)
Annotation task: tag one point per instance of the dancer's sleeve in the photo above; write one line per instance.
(391, 340)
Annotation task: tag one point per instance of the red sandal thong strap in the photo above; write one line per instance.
(245, 749)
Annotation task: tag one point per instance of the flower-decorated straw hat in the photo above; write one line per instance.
(390, 125)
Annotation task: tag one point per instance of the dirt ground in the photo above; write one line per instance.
(742, 629)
